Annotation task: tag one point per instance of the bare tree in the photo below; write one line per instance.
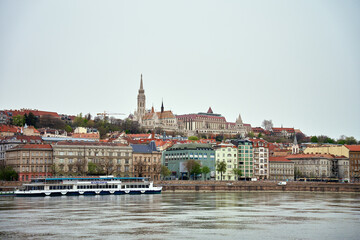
(139, 167)
(81, 166)
(267, 124)
(107, 166)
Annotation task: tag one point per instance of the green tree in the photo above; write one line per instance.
(350, 140)
(8, 174)
(259, 135)
(237, 172)
(164, 171)
(31, 119)
(251, 135)
(314, 139)
(193, 138)
(196, 170)
(221, 167)
(193, 167)
(68, 128)
(18, 120)
(92, 168)
(205, 170)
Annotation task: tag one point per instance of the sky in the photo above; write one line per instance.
(296, 63)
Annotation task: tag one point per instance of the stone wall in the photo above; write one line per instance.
(209, 186)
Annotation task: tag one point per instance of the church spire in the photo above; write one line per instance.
(295, 140)
(162, 106)
(141, 84)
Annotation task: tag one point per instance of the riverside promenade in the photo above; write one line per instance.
(242, 186)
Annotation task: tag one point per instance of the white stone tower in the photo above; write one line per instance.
(140, 113)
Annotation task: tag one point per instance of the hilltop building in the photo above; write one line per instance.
(209, 123)
(151, 120)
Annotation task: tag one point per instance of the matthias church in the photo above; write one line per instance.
(201, 123)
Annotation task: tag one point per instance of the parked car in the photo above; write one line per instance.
(281, 183)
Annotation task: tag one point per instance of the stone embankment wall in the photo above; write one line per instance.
(210, 186)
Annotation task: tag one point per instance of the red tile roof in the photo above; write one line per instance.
(32, 146)
(35, 112)
(23, 138)
(278, 130)
(353, 148)
(199, 117)
(9, 128)
(77, 143)
(309, 156)
(278, 159)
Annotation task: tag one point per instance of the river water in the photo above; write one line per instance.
(247, 215)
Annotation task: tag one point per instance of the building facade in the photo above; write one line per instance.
(261, 158)
(81, 158)
(226, 153)
(176, 156)
(209, 123)
(10, 142)
(30, 160)
(245, 158)
(317, 166)
(354, 162)
(146, 160)
(281, 169)
(333, 149)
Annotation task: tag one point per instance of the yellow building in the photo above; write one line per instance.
(337, 150)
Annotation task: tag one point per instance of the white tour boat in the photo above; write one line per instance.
(88, 185)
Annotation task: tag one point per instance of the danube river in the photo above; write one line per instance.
(247, 215)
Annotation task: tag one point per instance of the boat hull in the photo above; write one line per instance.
(85, 193)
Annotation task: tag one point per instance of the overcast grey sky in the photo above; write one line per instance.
(295, 62)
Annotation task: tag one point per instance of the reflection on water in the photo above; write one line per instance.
(252, 215)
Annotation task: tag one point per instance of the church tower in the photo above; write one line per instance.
(295, 147)
(141, 102)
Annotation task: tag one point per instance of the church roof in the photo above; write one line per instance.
(160, 115)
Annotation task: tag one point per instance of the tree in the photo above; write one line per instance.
(237, 172)
(314, 139)
(300, 137)
(51, 122)
(259, 135)
(193, 138)
(31, 119)
(221, 167)
(196, 170)
(350, 140)
(165, 171)
(92, 168)
(250, 135)
(267, 125)
(81, 166)
(88, 116)
(18, 120)
(107, 166)
(297, 173)
(205, 170)
(8, 174)
(139, 167)
(193, 167)
(68, 128)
